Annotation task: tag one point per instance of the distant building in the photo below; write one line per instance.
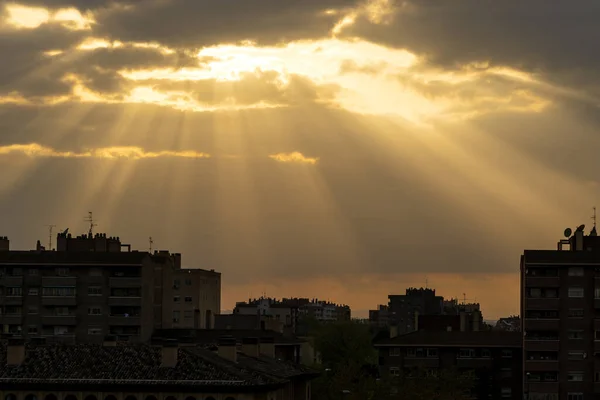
(560, 311)
(142, 372)
(289, 311)
(511, 324)
(494, 357)
(93, 286)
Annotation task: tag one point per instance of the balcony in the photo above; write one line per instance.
(121, 320)
(542, 281)
(542, 345)
(11, 319)
(541, 387)
(536, 303)
(473, 362)
(11, 281)
(50, 281)
(125, 282)
(431, 362)
(124, 301)
(59, 320)
(541, 324)
(59, 300)
(541, 365)
(11, 300)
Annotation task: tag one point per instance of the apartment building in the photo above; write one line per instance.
(94, 286)
(493, 357)
(560, 310)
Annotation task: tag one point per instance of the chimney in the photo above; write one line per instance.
(15, 352)
(267, 346)
(110, 341)
(4, 243)
(169, 353)
(393, 331)
(251, 347)
(228, 348)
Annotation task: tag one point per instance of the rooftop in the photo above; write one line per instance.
(67, 257)
(561, 256)
(83, 365)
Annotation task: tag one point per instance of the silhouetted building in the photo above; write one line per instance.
(511, 324)
(494, 358)
(403, 310)
(90, 288)
(560, 309)
(125, 372)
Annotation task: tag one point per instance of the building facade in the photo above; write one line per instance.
(493, 357)
(560, 316)
(95, 286)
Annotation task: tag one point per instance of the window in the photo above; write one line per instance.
(506, 392)
(535, 292)
(576, 271)
(187, 314)
(176, 317)
(188, 282)
(62, 271)
(394, 371)
(576, 356)
(61, 330)
(32, 329)
(95, 272)
(33, 291)
(394, 351)
(485, 353)
(597, 293)
(94, 331)
(597, 335)
(575, 334)
(95, 311)
(62, 311)
(188, 299)
(32, 310)
(176, 284)
(575, 313)
(33, 272)
(432, 352)
(466, 353)
(575, 396)
(575, 376)
(17, 271)
(411, 352)
(576, 292)
(176, 299)
(507, 353)
(95, 291)
(60, 291)
(14, 291)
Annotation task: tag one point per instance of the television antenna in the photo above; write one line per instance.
(90, 219)
(594, 216)
(50, 229)
(151, 242)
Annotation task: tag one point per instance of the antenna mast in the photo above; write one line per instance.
(50, 228)
(151, 243)
(594, 216)
(90, 219)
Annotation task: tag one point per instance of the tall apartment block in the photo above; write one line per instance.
(93, 286)
(560, 309)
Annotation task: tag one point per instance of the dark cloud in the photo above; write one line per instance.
(557, 38)
(79, 4)
(198, 23)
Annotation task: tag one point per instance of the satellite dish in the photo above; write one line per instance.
(568, 232)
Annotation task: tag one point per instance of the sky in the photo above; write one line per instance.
(340, 149)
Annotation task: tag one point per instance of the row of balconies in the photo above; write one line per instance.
(70, 320)
(552, 303)
(547, 281)
(71, 301)
(116, 282)
(460, 362)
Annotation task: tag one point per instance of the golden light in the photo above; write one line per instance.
(295, 157)
(26, 17)
(72, 18)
